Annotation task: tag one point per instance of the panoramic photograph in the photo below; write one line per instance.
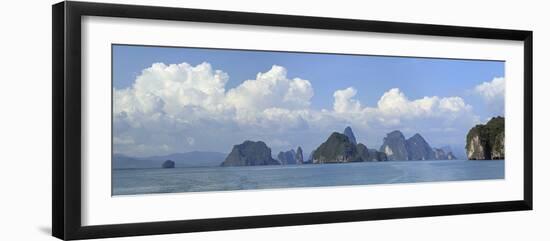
(203, 120)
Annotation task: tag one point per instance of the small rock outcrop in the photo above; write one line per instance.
(250, 153)
(486, 142)
(309, 158)
(418, 148)
(287, 157)
(395, 146)
(442, 154)
(349, 133)
(299, 156)
(336, 149)
(377, 155)
(370, 154)
(451, 156)
(168, 164)
(439, 153)
(291, 157)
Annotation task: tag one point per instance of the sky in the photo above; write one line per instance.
(170, 100)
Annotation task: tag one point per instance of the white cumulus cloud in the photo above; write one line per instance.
(394, 103)
(168, 102)
(493, 94)
(271, 89)
(491, 90)
(177, 86)
(343, 101)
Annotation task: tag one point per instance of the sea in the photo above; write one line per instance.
(206, 179)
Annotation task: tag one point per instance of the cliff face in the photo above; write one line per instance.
(343, 148)
(336, 149)
(419, 149)
(349, 133)
(370, 154)
(377, 155)
(310, 158)
(291, 157)
(441, 154)
(394, 146)
(299, 156)
(497, 151)
(476, 148)
(397, 148)
(250, 153)
(486, 142)
(287, 157)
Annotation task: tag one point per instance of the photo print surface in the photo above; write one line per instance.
(198, 119)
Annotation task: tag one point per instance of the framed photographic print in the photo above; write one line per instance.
(170, 120)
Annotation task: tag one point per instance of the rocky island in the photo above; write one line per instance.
(486, 142)
(442, 154)
(250, 153)
(419, 149)
(339, 148)
(168, 164)
(291, 157)
(397, 148)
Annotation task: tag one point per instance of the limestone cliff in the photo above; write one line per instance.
(349, 133)
(394, 146)
(336, 149)
(486, 142)
(287, 157)
(442, 154)
(299, 156)
(250, 153)
(419, 149)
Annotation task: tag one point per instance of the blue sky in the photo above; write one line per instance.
(370, 76)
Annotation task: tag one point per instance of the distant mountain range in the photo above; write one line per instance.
(187, 159)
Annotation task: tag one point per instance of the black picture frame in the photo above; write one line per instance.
(66, 158)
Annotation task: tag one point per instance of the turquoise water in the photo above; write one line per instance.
(144, 181)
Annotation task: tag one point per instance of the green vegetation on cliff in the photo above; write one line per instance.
(250, 153)
(337, 148)
(486, 141)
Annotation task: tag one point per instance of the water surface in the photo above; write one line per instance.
(201, 179)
